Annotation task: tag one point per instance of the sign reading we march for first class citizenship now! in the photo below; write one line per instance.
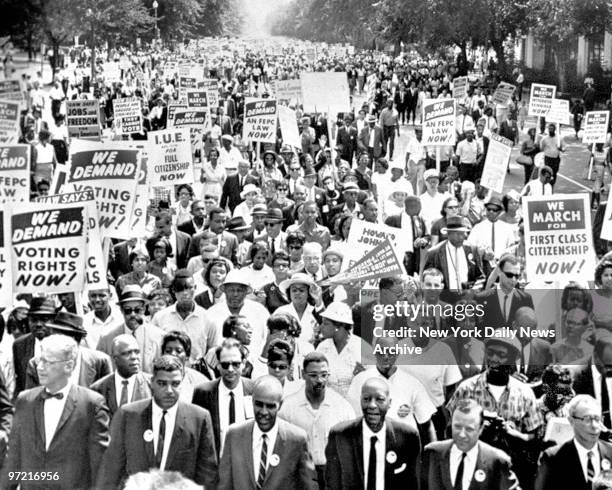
(541, 99)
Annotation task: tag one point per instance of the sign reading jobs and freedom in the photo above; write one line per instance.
(9, 121)
(541, 99)
(111, 171)
(83, 119)
(558, 238)
(14, 173)
(48, 248)
(439, 122)
(260, 120)
(170, 159)
(95, 269)
(496, 163)
(595, 127)
(128, 115)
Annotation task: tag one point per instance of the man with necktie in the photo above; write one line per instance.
(59, 428)
(372, 452)
(464, 462)
(266, 453)
(163, 433)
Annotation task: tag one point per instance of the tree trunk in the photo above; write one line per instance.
(55, 58)
(500, 51)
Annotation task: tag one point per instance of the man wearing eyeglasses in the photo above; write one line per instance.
(501, 303)
(266, 453)
(59, 428)
(491, 234)
(577, 462)
(149, 337)
(316, 409)
(228, 398)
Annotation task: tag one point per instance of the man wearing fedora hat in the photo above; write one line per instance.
(234, 184)
(274, 236)
(371, 139)
(258, 223)
(42, 310)
(132, 302)
(90, 365)
(460, 264)
(313, 192)
(350, 193)
(238, 227)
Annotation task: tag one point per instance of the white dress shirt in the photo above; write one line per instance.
(52, 413)
(119, 387)
(597, 384)
(469, 464)
(381, 448)
(170, 421)
(224, 401)
(583, 456)
(257, 442)
(457, 266)
(481, 236)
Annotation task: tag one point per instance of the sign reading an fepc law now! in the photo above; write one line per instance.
(438, 122)
(260, 120)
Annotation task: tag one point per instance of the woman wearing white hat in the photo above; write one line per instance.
(306, 299)
(250, 193)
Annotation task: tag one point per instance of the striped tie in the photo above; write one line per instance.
(590, 467)
(263, 462)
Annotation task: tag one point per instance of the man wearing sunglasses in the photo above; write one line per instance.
(228, 398)
(132, 303)
(501, 303)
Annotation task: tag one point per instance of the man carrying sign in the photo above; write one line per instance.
(552, 146)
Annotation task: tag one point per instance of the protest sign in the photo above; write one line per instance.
(558, 238)
(141, 200)
(606, 229)
(503, 93)
(288, 125)
(541, 99)
(259, 120)
(439, 122)
(325, 92)
(381, 261)
(185, 117)
(197, 99)
(128, 115)
(14, 173)
(170, 159)
(212, 90)
(460, 87)
(83, 119)
(288, 90)
(6, 283)
(186, 83)
(9, 121)
(371, 87)
(48, 248)
(111, 170)
(173, 107)
(595, 127)
(11, 90)
(95, 268)
(559, 112)
(496, 163)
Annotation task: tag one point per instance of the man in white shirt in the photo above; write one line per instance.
(102, 318)
(490, 234)
(229, 155)
(431, 199)
(540, 187)
(465, 458)
(177, 436)
(467, 156)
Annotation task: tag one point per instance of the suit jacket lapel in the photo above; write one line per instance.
(147, 424)
(247, 453)
(111, 395)
(141, 390)
(358, 450)
(176, 439)
(391, 444)
(87, 371)
(278, 449)
(445, 468)
(481, 464)
(444, 263)
(39, 416)
(68, 409)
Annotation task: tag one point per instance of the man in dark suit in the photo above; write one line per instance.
(464, 462)
(233, 185)
(227, 242)
(575, 463)
(90, 365)
(195, 224)
(400, 101)
(128, 383)
(414, 227)
(501, 303)
(162, 433)
(280, 448)
(347, 137)
(412, 100)
(59, 427)
(42, 311)
(536, 353)
(119, 263)
(372, 144)
(393, 447)
(228, 398)
(179, 241)
(460, 264)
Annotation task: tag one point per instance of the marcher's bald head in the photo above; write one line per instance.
(526, 317)
(375, 384)
(122, 341)
(268, 387)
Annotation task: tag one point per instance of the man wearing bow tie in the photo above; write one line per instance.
(464, 462)
(59, 427)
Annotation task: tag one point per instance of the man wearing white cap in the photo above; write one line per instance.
(431, 199)
(229, 155)
(371, 139)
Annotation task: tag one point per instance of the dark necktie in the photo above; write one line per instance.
(124, 393)
(241, 183)
(232, 408)
(372, 464)
(543, 188)
(45, 395)
(459, 477)
(272, 248)
(493, 237)
(263, 461)
(605, 402)
(590, 467)
(506, 307)
(160, 440)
